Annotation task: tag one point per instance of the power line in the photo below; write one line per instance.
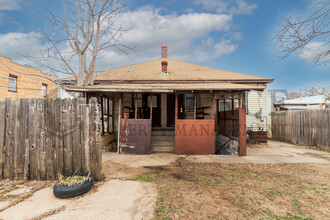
(23, 88)
(29, 74)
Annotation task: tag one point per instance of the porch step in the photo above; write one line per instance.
(163, 138)
(163, 149)
(162, 143)
(163, 132)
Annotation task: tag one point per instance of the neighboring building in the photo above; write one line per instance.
(258, 116)
(63, 94)
(17, 81)
(302, 103)
(167, 105)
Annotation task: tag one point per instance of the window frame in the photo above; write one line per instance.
(13, 77)
(190, 98)
(42, 90)
(105, 111)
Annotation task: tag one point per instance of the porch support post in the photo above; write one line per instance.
(176, 106)
(119, 117)
(135, 106)
(213, 107)
(240, 101)
(195, 107)
(122, 105)
(151, 108)
(232, 116)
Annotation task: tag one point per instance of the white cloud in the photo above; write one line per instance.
(12, 45)
(187, 37)
(16, 45)
(8, 5)
(227, 6)
(312, 50)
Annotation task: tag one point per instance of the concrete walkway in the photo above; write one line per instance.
(272, 152)
(120, 198)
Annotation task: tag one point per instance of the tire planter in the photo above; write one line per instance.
(64, 191)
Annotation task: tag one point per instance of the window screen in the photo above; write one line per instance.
(44, 90)
(190, 101)
(12, 83)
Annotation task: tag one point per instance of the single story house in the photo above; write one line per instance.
(166, 105)
(302, 103)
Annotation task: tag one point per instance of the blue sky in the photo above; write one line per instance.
(230, 35)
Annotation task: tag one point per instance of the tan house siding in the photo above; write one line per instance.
(29, 81)
(257, 102)
(205, 100)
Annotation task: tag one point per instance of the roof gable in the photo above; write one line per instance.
(177, 70)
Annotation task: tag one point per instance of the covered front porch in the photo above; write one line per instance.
(182, 118)
(182, 122)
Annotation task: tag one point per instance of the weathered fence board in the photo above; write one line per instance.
(308, 127)
(41, 138)
(2, 132)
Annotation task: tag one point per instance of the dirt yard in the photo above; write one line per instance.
(240, 191)
(276, 181)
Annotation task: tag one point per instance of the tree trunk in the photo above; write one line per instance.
(82, 70)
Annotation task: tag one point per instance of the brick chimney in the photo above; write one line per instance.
(164, 67)
(163, 51)
(164, 63)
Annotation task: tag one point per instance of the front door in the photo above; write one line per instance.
(170, 110)
(181, 106)
(156, 109)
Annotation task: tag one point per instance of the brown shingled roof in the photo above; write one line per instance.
(177, 70)
(164, 87)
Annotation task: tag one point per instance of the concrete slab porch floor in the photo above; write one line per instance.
(272, 152)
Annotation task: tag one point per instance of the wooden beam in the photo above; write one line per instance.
(102, 113)
(242, 132)
(176, 106)
(195, 106)
(122, 105)
(232, 116)
(213, 107)
(240, 100)
(135, 106)
(151, 109)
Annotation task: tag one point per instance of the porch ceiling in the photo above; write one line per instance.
(166, 88)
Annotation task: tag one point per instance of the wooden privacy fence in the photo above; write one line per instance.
(40, 138)
(308, 127)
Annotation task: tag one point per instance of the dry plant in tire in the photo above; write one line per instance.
(71, 186)
(73, 180)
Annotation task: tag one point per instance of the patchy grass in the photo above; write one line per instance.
(240, 191)
(142, 177)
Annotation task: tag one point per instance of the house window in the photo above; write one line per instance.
(139, 100)
(44, 90)
(107, 115)
(154, 101)
(190, 100)
(225, 105)
(110, 116)
(12, 86)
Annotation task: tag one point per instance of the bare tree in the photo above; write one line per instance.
(317, 89)
(292, 95)
(298, 32)
(77, 35)
(314, 89)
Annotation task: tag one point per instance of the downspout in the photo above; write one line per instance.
(119, 125)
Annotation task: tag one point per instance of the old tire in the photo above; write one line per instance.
(63, 191)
